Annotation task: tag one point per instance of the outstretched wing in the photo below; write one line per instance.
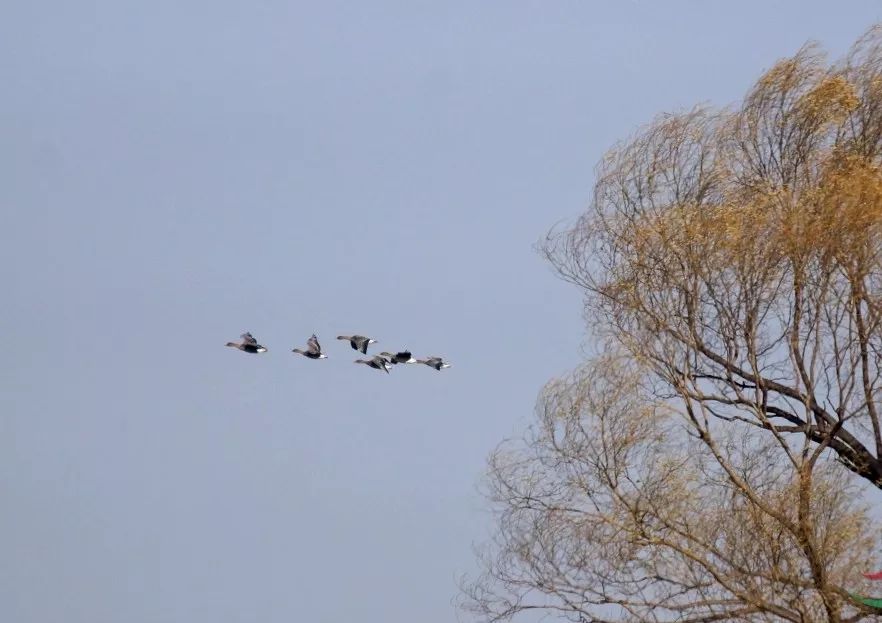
(247, 338)
(312, 344)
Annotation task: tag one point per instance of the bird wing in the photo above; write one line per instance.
(312, 344)
(247, 338)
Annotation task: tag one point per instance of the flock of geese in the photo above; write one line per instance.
(384, 361)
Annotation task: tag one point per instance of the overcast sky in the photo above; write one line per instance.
(173, 173)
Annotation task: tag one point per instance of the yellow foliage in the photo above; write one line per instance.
(830, 101)
(840, 218)
(783, 75)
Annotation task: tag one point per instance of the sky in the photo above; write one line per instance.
(173, 174)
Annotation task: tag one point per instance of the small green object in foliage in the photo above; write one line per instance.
(868, 601)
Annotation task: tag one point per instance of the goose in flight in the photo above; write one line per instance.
(313, 349)
(358, 342)
(434, 362)
(400, 357)
(376, 362)
(248, 344)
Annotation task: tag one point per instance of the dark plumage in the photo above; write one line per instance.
(248, 344)
(399, 357)
(377, 363)
(358, 342)
(434, 362)
(313, 349)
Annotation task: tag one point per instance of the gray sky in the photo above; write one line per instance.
(175, 173)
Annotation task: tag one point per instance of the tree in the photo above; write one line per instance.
(731, 263)
(607, 513)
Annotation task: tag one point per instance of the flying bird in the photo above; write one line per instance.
(400, 357)
(313, 349)
(434, 362)
(248, 344)
(358, 342)
(376, 362)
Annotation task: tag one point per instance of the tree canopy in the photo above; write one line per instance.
(708, 466)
